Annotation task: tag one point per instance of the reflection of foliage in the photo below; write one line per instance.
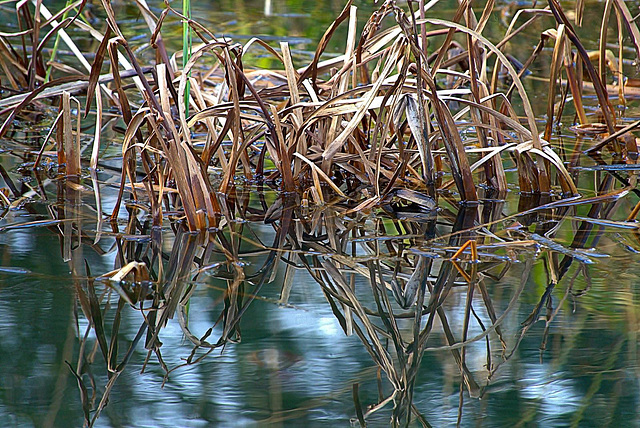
(388, 281)
(377, 130)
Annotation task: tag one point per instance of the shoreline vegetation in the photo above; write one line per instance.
(391, 163)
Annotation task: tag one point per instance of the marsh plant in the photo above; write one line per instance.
(383, 172)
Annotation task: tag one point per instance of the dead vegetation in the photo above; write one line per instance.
(418, 117)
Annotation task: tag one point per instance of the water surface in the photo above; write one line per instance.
(291, 363)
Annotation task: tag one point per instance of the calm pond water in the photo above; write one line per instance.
(291, 363)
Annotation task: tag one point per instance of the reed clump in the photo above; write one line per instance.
(387, 115)
(418, 113)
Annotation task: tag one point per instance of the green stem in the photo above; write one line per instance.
(56, 44)
(186, 49)
(54, 51)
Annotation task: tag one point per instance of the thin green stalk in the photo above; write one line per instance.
(54, 51)
(186, 49)
(55, 45)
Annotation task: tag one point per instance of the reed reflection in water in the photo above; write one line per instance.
(241, 295)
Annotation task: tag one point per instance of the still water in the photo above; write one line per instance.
(291, 363)
(295, 366)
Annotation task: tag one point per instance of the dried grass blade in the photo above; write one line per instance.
(74, 167)
(336, 144)
(96, 68)
(204, 195)
(199, 187)
(312, 69)
(282, 158)
(526, 104)
(321, 174)
(579, 12)
(630, 23)
(65, 140)
(131, 132)
(552, 156)
(598, 85)
(123, 101)
(420, 131)
(154, 25)
(604, 26)
(542, 183)
(453, 143)
(554, 75)
(292, 80)
(35, 64)
(343, 75)
(620, 71)
(574, 84)
(98, 130)
(494, 151)
(13, 80)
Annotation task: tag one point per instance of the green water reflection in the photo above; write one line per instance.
(294, 365)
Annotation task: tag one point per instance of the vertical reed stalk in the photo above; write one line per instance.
(56, 44)
(186, 49)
